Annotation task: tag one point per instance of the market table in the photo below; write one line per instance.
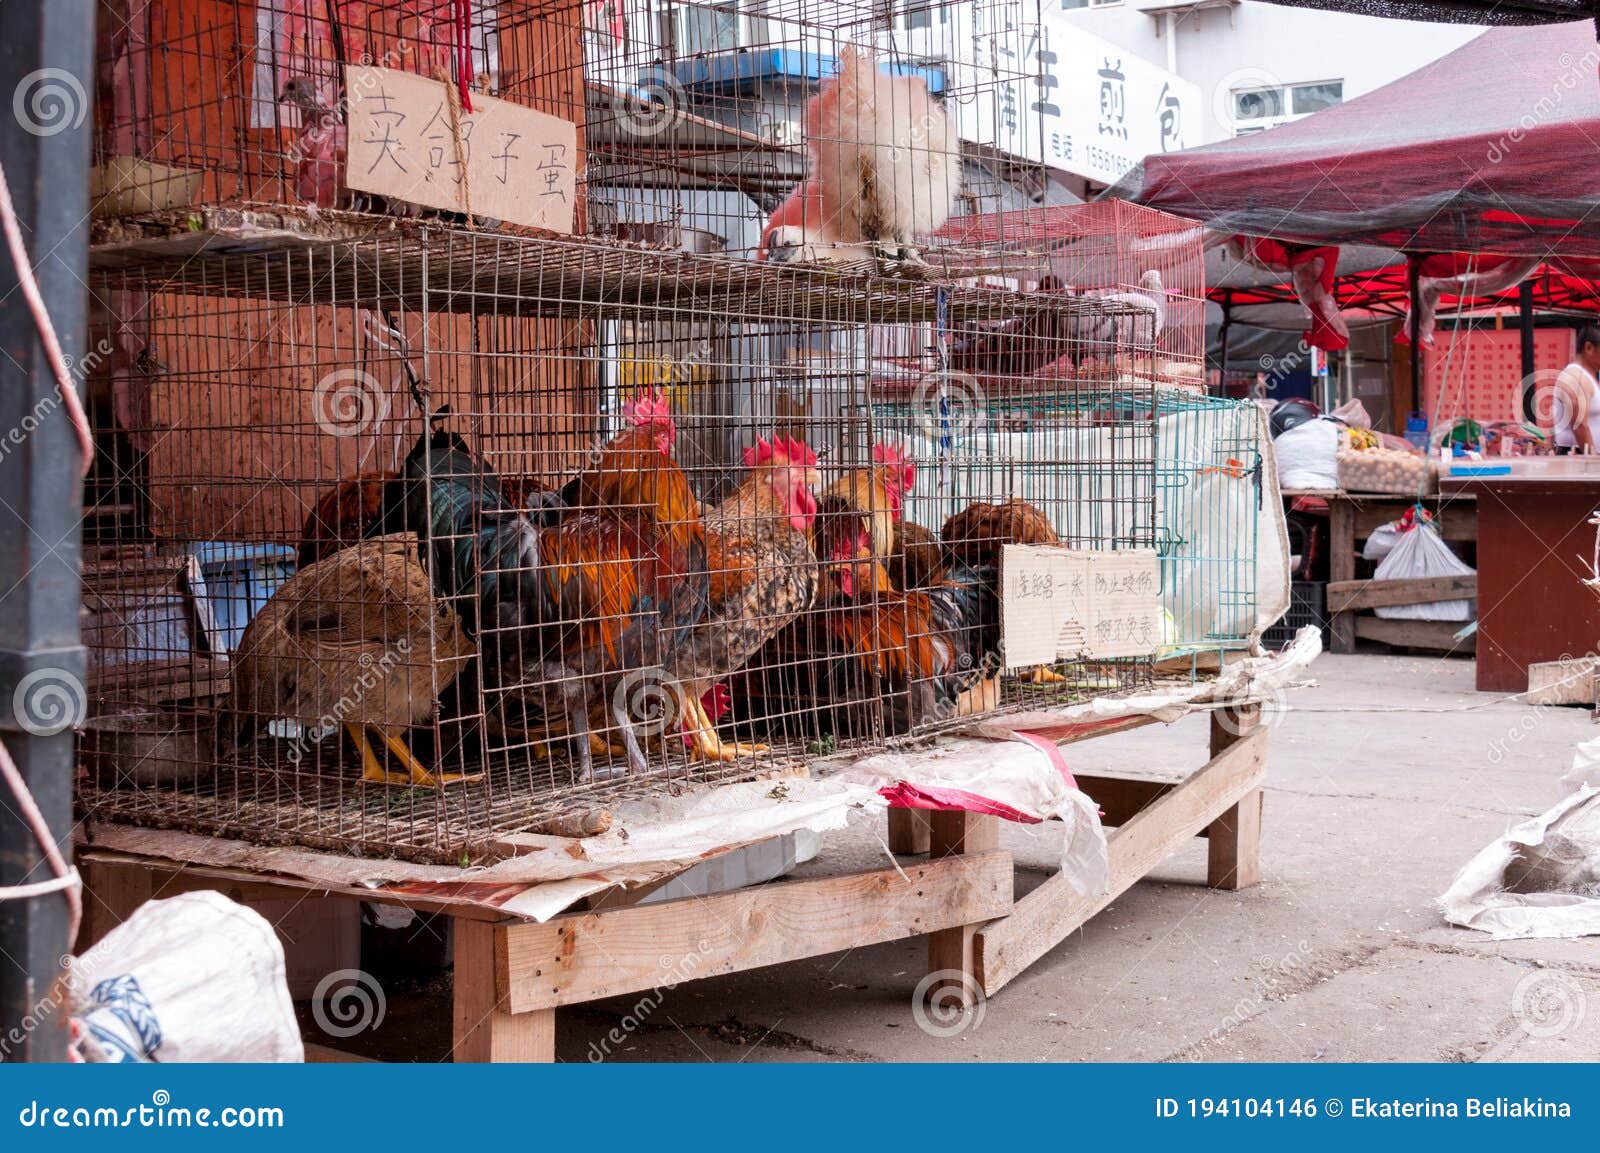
(1352, 517)
(1532, 603)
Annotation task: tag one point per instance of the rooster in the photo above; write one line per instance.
(873, 659)
(574, 599)
(763, 575)
(859, 513)
(885, 168)
(975, 536)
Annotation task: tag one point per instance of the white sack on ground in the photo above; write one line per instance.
(1542, 879)
(1423, 553)
(194, 978)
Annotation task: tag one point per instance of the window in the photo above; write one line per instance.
(1069, 5)
(704, 28)
(1310, 98)
(1257, 109)
(916, 14)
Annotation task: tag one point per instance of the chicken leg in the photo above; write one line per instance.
(416, 774)
(703, 732)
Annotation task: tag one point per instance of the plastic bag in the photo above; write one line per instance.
(1308, 456)
(1423, 553)
(1382, 541)
(194, 978)
(1353, 413)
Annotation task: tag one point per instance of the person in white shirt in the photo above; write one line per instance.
(1576, 418)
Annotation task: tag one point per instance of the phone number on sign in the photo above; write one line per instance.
(1242, 1107)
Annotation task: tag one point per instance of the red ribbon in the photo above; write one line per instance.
(464, 52)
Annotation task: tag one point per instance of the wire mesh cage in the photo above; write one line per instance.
(412, 530)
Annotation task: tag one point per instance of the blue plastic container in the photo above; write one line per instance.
(236, 580)
(1417, 430)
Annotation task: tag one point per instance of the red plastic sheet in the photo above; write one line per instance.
(1488, 149)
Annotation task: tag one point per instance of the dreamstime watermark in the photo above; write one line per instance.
(78, 368)
(49, 101)
(348, 401)
(1266, 708)
(676, 970)
(1276, 369)
(374, 670)
(1548, 1002)
(647, 699)
(48, 701)
(1275, 976)
(655, 105)
(1241, 83)
(947, 1003)
(1550, 399)
(348, 1001)
(1573, 74)
(949, 407)
(64, 993)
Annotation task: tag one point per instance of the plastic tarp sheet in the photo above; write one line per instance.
(656, 838)
(1477, 151)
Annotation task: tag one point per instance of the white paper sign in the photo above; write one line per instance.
(1074, 101)
(501, 160)
(1078, 604)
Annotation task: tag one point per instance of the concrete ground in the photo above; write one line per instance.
(1383, 780)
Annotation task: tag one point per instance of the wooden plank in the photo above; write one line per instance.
(586, 956)
(169, 878)
(908, 832)
(1233, 845)
(482, 1026)
(1438, 635)
(952, 957)
(1569, 682)
(111, 894)
(1122, 798)
(1341, 567)
(1456, 519)
(1346, 596)
(1043, 918)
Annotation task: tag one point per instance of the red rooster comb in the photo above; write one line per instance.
(889, 453)
(782, 450)
(648, 408)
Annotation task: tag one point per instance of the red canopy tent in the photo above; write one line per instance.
(1489, 149)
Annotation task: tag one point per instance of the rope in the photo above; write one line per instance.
(41, 320)
(67, 879)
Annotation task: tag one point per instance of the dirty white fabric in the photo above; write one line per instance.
(194, 978)
(1541, 879)
(1019, 774)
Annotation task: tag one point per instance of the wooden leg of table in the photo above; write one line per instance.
(950, 951)
(908, 831)
(111, 894)
(482, 1030)
(1233, 840)
(1342, 567)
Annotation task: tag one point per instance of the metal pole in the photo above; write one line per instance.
(1414, 272)
(1222, 340)
(1525, 323)
(46, 84)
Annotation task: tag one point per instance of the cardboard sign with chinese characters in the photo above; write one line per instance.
(1078, 604)
(508, 162)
